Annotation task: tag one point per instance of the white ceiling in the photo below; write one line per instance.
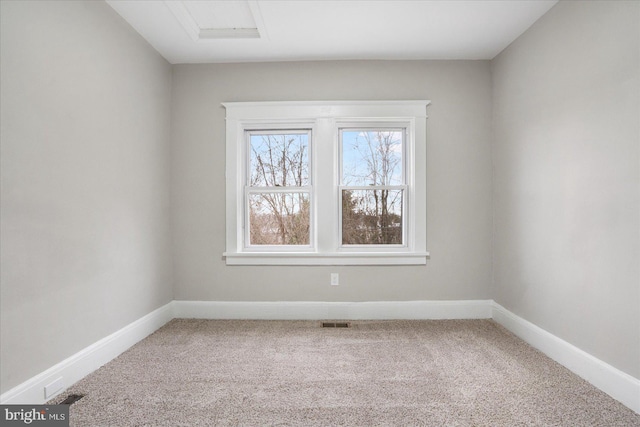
(275, 30)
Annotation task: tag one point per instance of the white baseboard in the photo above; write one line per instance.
(87, 360)
(612, 381)
(619, 385)
(311, 310)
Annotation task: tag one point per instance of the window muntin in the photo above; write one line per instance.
(278, 189)
(373, 187)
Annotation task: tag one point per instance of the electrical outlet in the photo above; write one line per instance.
(335, 279)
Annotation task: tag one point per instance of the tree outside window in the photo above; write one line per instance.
(373, 186)
(278, 194)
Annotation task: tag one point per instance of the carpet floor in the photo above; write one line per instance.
(375, 373)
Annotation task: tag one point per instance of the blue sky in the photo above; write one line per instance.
(355, 168)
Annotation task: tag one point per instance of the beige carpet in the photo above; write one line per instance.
(376, 373)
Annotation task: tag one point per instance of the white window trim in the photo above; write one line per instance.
(324, 118)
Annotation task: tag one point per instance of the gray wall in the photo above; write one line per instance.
(88, 110)
(458, 176)
(84, 119)
(567, 178)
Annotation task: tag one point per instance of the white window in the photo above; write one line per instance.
(372, 187)
(326, 183)
(278, 190)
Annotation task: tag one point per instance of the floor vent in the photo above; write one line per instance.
(335, 324)
(71, 399)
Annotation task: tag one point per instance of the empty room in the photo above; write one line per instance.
(320, 213)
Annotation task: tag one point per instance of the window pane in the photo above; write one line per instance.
(279, 160)
(372, 157)
(279, 218)
(372, 217)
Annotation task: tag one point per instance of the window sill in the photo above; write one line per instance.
(342, 258)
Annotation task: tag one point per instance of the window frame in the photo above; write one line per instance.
(249, 189)
(383, 125)
(324, 120)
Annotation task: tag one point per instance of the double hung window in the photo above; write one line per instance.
(372, 186)
(326, 183)
(278, 190)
